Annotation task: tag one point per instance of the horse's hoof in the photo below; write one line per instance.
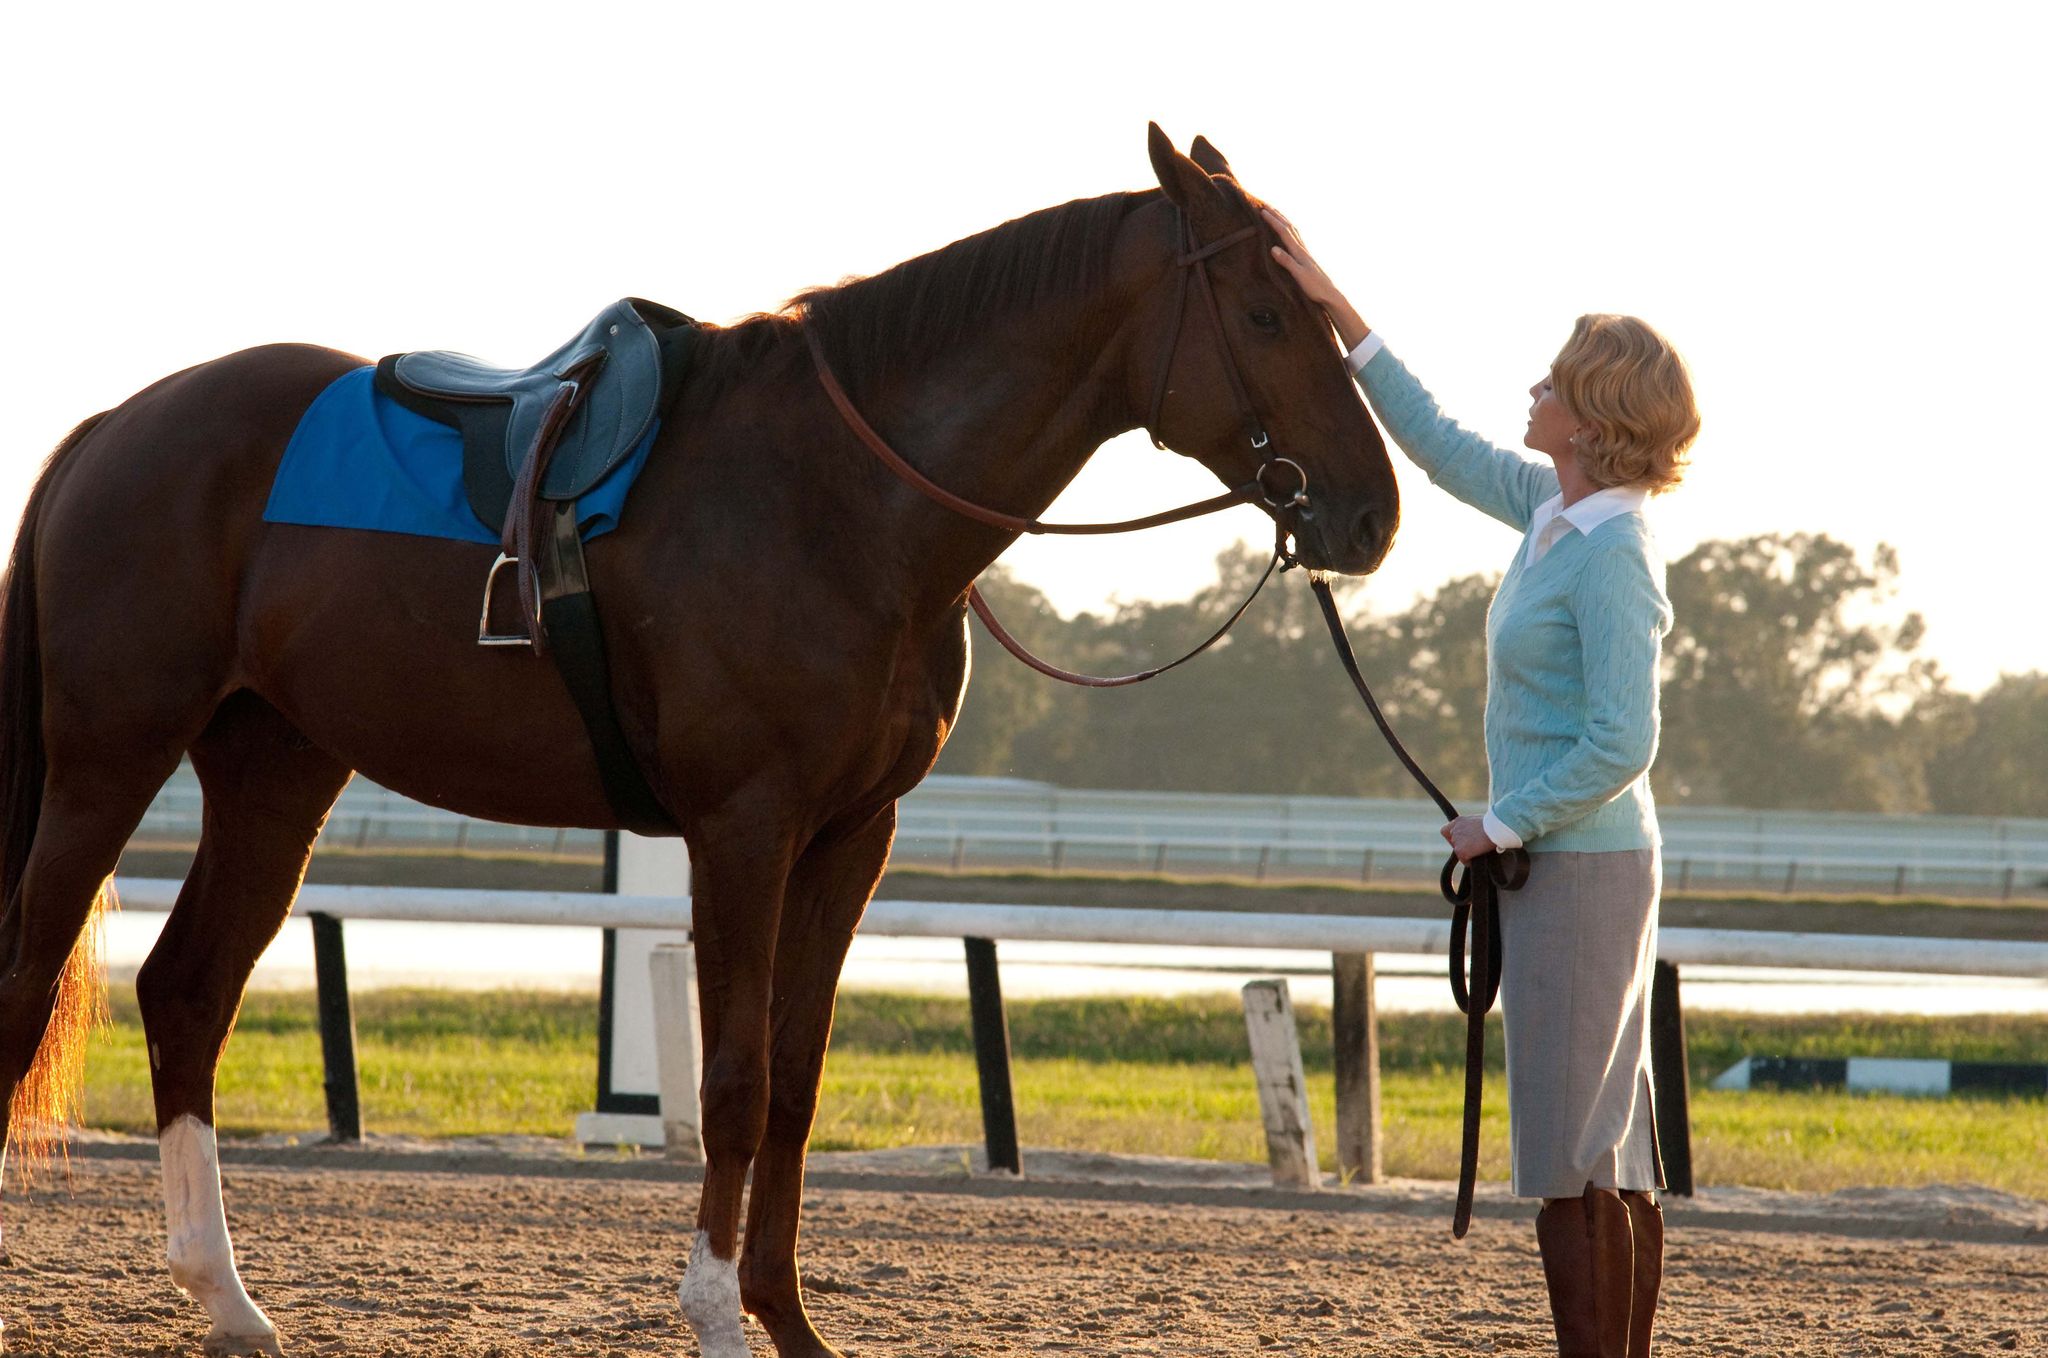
(723, 1341)
(710, 1300)
(219, 1345)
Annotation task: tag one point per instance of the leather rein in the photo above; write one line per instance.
(1474, 892)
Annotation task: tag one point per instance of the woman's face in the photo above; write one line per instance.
(1551, 426)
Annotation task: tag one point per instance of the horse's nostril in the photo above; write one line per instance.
(1373, 534)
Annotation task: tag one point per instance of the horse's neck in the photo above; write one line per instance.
(1005, 421)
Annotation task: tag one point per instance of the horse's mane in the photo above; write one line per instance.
(917, 310)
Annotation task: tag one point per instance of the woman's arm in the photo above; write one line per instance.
(1494, 480)
(1504, 485)
(1622, 616)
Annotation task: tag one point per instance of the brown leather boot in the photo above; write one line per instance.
(1589, 1265)
(1646, 1226)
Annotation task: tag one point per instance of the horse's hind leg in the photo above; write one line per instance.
(827, 893)
(267, 793)
(50, 982)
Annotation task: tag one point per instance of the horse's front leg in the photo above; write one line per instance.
(740, 864)
(827, 893)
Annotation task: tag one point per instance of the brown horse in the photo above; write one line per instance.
(786, 630)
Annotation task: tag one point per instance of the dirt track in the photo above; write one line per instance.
(557, 1258)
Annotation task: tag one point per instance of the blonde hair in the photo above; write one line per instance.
(1624, 379)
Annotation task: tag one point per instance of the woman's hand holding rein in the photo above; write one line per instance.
(1294, 257)
(1468, 839)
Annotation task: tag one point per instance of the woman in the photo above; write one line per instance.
(1571, 728)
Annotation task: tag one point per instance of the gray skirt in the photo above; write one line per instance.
(1579, 942)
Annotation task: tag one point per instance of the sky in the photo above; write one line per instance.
(1835, 211)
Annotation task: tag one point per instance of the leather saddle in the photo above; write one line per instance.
(535, 439)
(603, 391)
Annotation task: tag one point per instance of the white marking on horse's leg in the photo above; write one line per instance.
(201, 1255)
(710, 1298)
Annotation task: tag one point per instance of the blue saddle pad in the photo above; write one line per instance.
(360, 460)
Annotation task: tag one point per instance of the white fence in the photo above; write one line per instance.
(1358, 1106)
(1183, 928)
(998, 823)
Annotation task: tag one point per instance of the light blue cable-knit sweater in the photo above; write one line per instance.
(1572, 641)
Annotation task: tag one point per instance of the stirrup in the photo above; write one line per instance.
(484, 635)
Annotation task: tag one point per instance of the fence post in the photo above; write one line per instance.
(1673, 1080)
(1159, 860)
(1283, 1095)
(678, 1056)
(2012, 877)
(1365, 869)
(1355, 1038)
(337, 1029)
(1899, 881)
(992, 1055)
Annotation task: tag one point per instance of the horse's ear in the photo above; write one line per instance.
(1205, 154)
(1163, 158)
(1186, 184)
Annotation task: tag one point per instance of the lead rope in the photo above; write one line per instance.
(1474, 896)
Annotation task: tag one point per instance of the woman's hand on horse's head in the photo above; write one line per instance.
(1301, 266)
(1299, 263)
(1467, 837)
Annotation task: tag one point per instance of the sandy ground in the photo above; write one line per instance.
(500, 1249)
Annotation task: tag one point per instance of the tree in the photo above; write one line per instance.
(1775, 695)
(1997, 765)
(1268, 709)
(1786, 683)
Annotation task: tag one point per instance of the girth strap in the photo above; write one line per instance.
(1473, 891)
(577, 641)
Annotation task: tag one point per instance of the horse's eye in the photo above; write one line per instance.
(1267, 319)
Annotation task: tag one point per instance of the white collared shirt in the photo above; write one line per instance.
(1552, 520)
(1547, 528)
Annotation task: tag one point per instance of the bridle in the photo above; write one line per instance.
(1288, 507)
(1474, 892)
(1193, 262)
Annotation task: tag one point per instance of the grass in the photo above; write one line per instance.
(429, 1063)
(1123, 1075)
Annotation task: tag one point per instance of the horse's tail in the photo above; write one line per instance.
(47, 1097)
